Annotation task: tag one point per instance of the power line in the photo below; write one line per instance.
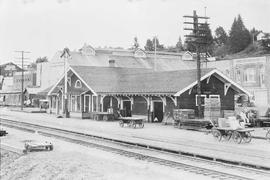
(22, 59)
(198, 38)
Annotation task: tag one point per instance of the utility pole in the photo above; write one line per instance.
(66, 55)
(155, 43)
(198, 38)
(22, 81)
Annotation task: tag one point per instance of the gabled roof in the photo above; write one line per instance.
(222, 77)
(115, 80)
(130, 80)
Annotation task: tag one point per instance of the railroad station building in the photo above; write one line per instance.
(139, 92)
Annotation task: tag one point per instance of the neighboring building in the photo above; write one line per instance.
(49, 72)
(252, 73)
(11, 90)
(262, 36)
(8, 69)
(140, 92)
(29, 79)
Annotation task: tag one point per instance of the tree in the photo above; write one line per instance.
(221, 36)
(33, 65)
(135, 43)
(42, 59)
(209, 40)
(149, 45)
(189, 45)
(179, 45)
(239, 37)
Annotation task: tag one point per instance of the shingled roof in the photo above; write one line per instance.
(114, 80)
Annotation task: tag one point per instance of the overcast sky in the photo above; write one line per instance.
(45, 26)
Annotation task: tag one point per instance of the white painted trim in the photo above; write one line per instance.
(83, 81)
(147, 99)
(174, 99)
(78, 81)
(208, 79)
(215, 96)
(226, 88)
(209, 74)
(71, 69)
(202, 95)
(190, 90)
(54, 86)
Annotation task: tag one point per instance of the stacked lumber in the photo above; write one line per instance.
(228, 113)
(212, 109)
(183, 114)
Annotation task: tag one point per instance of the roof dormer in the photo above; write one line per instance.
(88, 50)
(139, 53)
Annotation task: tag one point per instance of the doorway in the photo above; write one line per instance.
(86, 103)
(127, 108)
(158, 111)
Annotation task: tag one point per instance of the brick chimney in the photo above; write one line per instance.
(111, 63)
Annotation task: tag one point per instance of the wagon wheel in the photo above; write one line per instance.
(247, 137)
(133, 124)
(227, 136)
(27, 149)
(175, 124)
(121, 123)
(237, 137)
(217, 134)
(268, 135)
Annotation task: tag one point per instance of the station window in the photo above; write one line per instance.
(203, 96)
(215, 96)
(78, 84)
(249, 75)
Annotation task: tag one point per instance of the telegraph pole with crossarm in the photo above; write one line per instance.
(198, 38)
(22, 80)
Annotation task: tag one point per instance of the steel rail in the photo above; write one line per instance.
(178, 165)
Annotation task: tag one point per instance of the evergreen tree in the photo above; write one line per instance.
(239, 37)
(135, 43)
(42, 59)
(149, 45)
(179, 45)
(208, 38)
(221, 36)
(189, 45)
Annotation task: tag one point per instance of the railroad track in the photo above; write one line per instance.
(127, 149)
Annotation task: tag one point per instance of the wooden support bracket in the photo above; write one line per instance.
(190, 90)
(174, 99)
(226, 88)
(147, 99)
(208, 79)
